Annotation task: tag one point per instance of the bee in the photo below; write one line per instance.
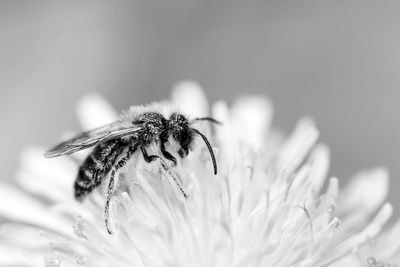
(115, 143)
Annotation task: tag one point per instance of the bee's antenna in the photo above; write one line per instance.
(205, 119)
(214, 161)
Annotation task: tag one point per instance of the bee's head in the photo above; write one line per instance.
(180, 131)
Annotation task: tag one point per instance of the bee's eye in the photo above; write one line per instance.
(185, 140)
(182, 137)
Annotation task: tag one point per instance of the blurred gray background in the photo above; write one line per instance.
(337, 61)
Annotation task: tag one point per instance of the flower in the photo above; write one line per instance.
(268, 205)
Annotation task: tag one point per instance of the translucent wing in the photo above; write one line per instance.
(90, 138)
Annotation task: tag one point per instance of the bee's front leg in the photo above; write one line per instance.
(166, 154)
(148, 158)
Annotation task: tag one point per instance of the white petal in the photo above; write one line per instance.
(386, 245)
(50, 178)
(25, 208)
(224, 136)
(368, 233)
(251, 118)
(319, 160)
(348, 261)
(374, 227)
(365, 193)
(94, 111)
(298, 145)
(190, 99)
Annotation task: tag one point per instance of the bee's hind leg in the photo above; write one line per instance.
(121, 163)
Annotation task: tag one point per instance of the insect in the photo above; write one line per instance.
(115, 143)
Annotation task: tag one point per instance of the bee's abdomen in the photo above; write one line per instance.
(96, 166)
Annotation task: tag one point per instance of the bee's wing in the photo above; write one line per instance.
(90, 138)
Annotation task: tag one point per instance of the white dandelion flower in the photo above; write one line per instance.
(269, 204)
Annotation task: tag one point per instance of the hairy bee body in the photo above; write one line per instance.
(96, 166)
(104, 156)
(115, 143)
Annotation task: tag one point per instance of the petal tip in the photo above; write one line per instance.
(94, 110)
(190, 97)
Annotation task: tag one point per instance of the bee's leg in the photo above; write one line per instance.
(121, 163)
(148, 158)
(166, 154)
(177, 180)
